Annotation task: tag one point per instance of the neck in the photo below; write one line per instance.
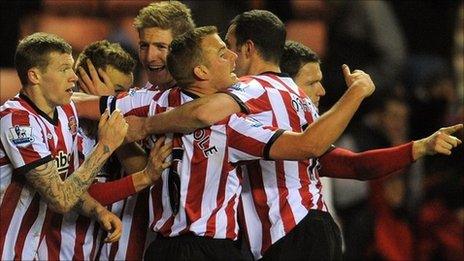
(258, 66)
(35, 95)
(166, 86)
(200, 91)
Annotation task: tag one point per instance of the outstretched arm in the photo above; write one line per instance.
(372, 164)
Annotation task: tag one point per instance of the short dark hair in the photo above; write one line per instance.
(266, 31)
(185, 53)
(295, 56)
(103, 53)
(34, 51)
(166, 15)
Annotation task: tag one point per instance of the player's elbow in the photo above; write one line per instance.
(203, 117)
(313, 151)
(60, 207)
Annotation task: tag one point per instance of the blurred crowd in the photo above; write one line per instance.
(413, 50)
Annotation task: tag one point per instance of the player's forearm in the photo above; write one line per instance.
(71, 189)
(192, 115)
(317, 138)
(88, 206)
(107, 193)
(368, 165)
(328, 128)
(87, 106)
(132, 157)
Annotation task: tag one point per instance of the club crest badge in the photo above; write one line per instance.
(21, 135)
(72, 125)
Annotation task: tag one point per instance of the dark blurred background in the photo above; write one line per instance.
(414, 52)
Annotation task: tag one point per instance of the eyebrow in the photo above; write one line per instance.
(221, 48)
(65, 65)
(154, 43)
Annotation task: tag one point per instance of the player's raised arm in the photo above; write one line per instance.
(319, 135)
(63, 195)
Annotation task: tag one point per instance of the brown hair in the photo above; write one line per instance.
(185, 54)
(34, 51)
(166, 15)
(295, 56)
(103, 53)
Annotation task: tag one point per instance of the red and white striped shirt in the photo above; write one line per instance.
(132, 211)
(29, 138)
(277, 195)
(210, 183)
(72, 236)
(134, 214)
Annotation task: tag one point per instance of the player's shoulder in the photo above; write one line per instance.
(14, 108)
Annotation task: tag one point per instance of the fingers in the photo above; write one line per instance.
(106, 78)
(106, 224)
(82, 86)
(346, 71)
(104, 118)
(159, 142)
(452, 129)
(115, 229)
(85, 81)
(92, 71)
(166, 150)
(160, 152)
(442, 143)
(116, 114)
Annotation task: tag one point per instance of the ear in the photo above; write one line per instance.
(201, 72)
(249, 48)
(34, 76)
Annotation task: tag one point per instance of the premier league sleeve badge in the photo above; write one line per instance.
(21, 136)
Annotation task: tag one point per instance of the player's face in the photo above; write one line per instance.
(221, 62)
(153, 48)
(309, 79)
(242, 64)
(120, 80)
(58, 79)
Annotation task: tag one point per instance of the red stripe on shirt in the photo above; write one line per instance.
(260, 199)
(8, 206)
(288, 220)
(82, 225)
(28, 220)
(138, 232)
(196, 186)
(140, 112)
(52, 231)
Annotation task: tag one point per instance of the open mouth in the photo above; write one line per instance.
(156, 68)
(70, 90)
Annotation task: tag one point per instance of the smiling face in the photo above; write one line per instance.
(220, 62)
(57, 80)
(153, 49)
(309, 79)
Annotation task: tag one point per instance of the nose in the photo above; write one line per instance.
(321, 89)
(232, 56)
(74, 77)
(153, 53)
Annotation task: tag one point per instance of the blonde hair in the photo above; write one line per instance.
(166, 15)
